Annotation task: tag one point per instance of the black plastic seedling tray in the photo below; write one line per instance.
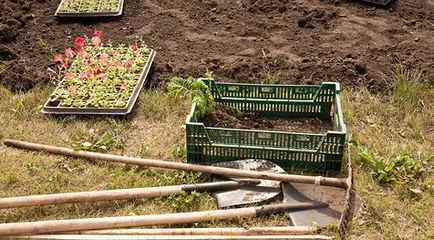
(52, 108)
(378, 2)
(90, 14)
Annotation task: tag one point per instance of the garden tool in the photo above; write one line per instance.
(324, 181)
(166, 237)
(76, 197)
(52, 226)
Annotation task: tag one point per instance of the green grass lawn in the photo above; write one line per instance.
(395, 204)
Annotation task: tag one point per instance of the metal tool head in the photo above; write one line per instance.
(297, 193)
(263, 191)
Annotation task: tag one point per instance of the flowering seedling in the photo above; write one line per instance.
(98, 76)
(90, 7)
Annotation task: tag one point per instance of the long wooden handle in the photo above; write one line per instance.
(326, 181)
(287, 230)
(168, 237)
(93, 196)
(10, 229)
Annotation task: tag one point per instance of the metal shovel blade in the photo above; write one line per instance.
(263, 191)
(298, 192)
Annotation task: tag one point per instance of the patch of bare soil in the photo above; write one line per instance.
(226, 117)
(295, 41)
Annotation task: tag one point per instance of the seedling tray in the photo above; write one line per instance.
(51, 107)
(378, 2)
(97, 10)
(294, 150)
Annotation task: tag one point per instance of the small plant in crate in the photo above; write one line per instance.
(98, 75)
(196, 90)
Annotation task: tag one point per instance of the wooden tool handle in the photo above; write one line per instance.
(10, 229)
(325, 181)
(287, 230)
(93, 196)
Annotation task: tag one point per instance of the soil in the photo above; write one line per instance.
(293, 41)
(226, 117)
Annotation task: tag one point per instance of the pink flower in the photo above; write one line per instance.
(96, 71)
(134, 47)
(98, 34)
(69, 52)
(85, 75)
(104, 76)
(83, 56)
(103, 57)
(118, 64)
(64, 64)
(96, 41)
(58, 57)
(130, 63)
(123, 85)
(74, 90)
(69, 75)
(115, 53)
(79, 42)
(108, 66)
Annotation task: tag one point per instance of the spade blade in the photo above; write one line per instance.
(265, 190)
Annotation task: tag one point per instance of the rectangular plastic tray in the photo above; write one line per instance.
(378, 2)
(90, 14)
(297, 150)
(48, 109)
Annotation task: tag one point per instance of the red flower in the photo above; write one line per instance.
(96, 71)
(79, 42)
(78, 49)
(118, 64)
(97, 34)
(134, 48)
(69, 52)
(103, 57)
(89, 62)
(130, 63)
(85, 75)
(104, 76)
(96, 41)
(74, 90)
(58, 57)
(69, 75)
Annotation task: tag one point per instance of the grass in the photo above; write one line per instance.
(383, 126)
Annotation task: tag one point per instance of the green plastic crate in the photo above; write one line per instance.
(291, 150)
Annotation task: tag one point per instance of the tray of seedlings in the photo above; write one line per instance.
(86, 8)
(378, 2)
(294, 126)
(99, 79)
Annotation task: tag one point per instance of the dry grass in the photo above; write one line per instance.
(387, 125)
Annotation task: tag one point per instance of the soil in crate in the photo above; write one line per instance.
(226, 117)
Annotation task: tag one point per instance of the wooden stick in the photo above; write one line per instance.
(10, 229)
(75, 197)
(168, 237)
(326, 181)
(288, 230)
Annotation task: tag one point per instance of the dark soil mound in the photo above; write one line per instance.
(226, 117)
